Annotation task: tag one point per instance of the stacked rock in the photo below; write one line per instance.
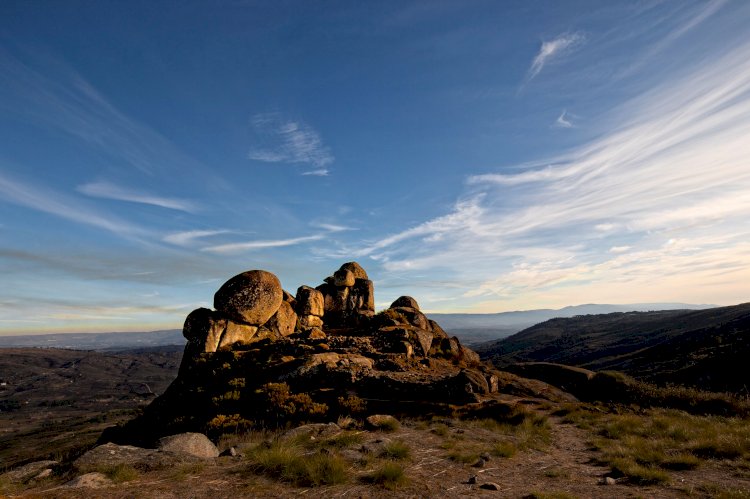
(249, 306)
(348, 296)
(310, 307)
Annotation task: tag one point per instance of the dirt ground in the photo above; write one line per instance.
(564, 466)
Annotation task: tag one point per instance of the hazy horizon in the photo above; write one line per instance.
(483, 157)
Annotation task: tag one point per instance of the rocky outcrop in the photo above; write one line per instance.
(265, 358)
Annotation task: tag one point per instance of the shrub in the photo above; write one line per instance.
(282, 405)
(352, 405)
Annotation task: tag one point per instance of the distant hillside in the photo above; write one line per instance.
(63, 399)
(95, 341)
(704, 348)
(473, 329)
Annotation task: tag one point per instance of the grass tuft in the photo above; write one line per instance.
(396, 450)
(390, 475)
(288, 462)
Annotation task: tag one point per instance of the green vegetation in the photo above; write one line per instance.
(119, 473)
(504, 449)
(616, 387)
(644, 447)
(286, 461)
(396, 450)
(344, 440)
(386, 424)
(284, 406)
(390, 475)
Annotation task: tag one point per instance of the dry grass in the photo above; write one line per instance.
(390, 475)
(289, 462)
(646, 446)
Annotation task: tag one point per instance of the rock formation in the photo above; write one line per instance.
(265, 357)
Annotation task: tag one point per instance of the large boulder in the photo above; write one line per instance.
(284, 320)
(310, 301)
(356, 269)
(343, 278)
(192, 444)
(251, 297)
(405, 301)
(203, 329)
(237, 333)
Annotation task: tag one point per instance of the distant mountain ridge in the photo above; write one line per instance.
(478, 328)
(704, 348)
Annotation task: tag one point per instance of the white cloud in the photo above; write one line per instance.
(563, 121)
(53, 203)
(554, 49)
(619, 249)
(259, 245)
(674, 168)
(188, 238)
(320, 172)
(332, 227)
(107, 190)
(286, 141)
(60, 98)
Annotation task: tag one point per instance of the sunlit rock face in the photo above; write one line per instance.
(264, 357)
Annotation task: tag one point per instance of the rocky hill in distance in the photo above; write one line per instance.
(702, 348)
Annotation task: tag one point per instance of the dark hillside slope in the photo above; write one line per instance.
(704, 348)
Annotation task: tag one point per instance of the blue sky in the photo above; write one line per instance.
(480, 156)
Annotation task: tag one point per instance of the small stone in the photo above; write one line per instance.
(44, 474)
(479, 464)
(490, 486)
(472, 479)
(93, 480)
(608, 480)
(230, 452)
(316, 334)
(485, 456)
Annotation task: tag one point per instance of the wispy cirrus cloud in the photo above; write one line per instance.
(189, 238)
(564, 120)
(108, 190)
(658, 204)
(260, 244)
(319, 172)
(554, 49)
(48, 201)
(46, 92)
(282, 140)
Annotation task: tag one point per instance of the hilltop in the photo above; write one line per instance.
(703, 348)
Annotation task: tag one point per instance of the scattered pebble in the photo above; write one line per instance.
(490, 486)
